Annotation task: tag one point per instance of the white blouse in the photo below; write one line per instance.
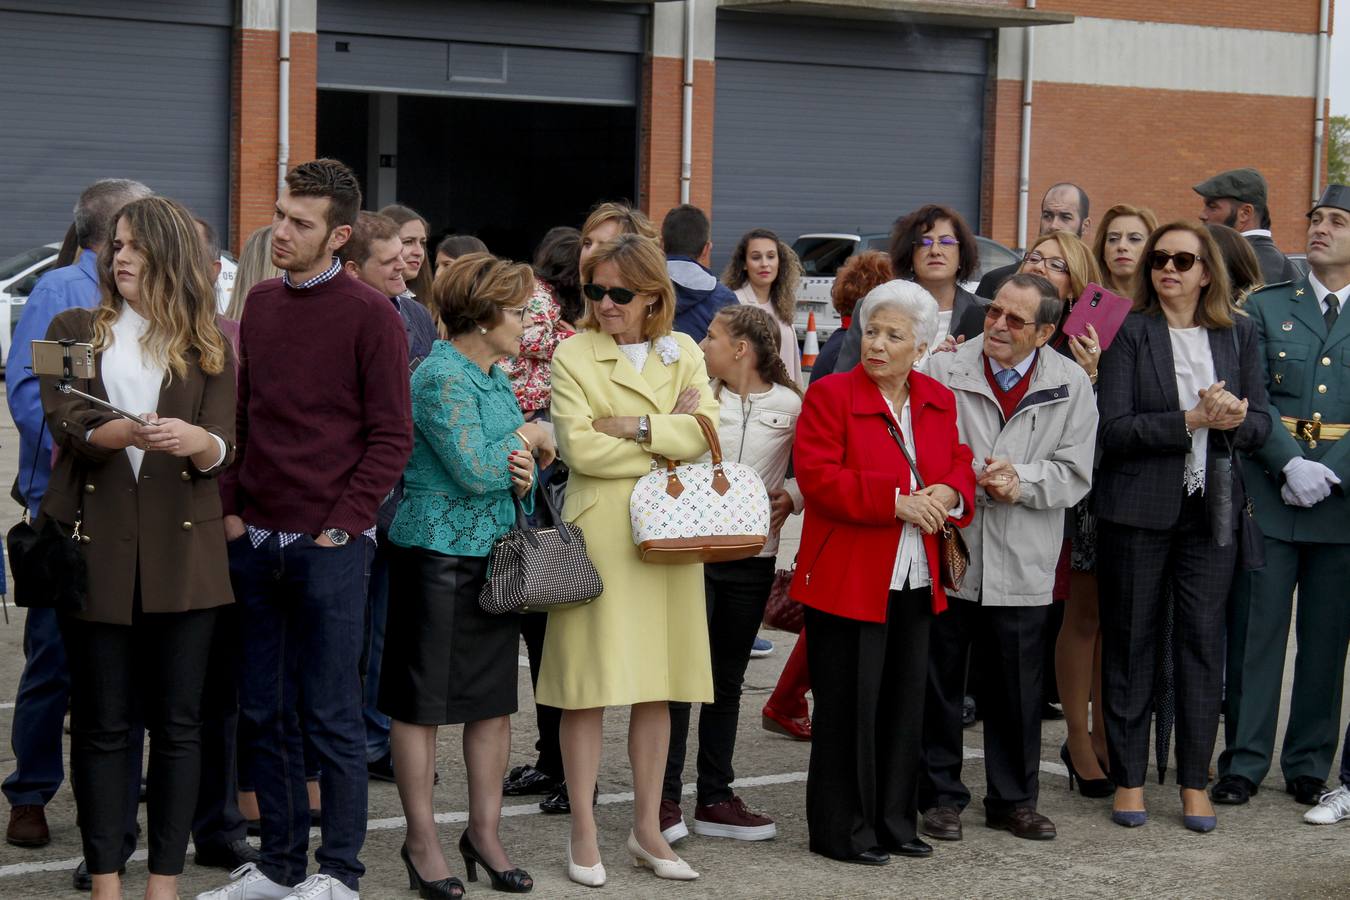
(132, 380)
(1195, 372)
(911, 559)
(637, 353)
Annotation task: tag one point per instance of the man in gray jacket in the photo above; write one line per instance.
(1030, 418)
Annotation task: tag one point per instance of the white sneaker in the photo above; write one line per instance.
(1332, 808)
(247, 883)
(322, 887)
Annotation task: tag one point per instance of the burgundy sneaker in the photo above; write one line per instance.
(733, 819)
(672, 822)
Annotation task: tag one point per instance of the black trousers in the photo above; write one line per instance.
(151, 671)
(548, 719)
(217, 820)
(867, 678)
(1007, 647)
(1133, 574)
(736, 593)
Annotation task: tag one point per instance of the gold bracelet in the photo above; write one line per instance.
(524, 440)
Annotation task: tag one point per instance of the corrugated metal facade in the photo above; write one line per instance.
(823, 125)
(137, 89)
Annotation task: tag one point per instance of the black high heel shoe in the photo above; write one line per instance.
(512, 881)
(1095, 788)
(442, 889)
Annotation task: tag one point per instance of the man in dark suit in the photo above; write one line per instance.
(1237, 198)
(1063, 208)
(1297, 481)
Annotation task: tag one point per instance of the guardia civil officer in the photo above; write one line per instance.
(1298, 482)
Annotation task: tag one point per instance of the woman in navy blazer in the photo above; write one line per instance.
(1182, 381)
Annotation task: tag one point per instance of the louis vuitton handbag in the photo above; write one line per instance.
(699, 512)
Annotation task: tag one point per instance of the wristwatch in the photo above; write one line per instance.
(337, 536)
(644, 430)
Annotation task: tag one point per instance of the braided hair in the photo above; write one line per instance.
(757, 327)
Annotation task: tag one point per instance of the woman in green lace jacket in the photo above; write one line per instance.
(446, 661)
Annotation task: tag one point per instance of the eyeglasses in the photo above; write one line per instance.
(1057, 263)
(945, 241)
(1183, 261)
(994, 313)
(596, 292)
(520, 311)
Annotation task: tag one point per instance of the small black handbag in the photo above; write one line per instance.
(539, 568)
(47, 559)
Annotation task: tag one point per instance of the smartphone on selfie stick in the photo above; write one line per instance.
(67, 360)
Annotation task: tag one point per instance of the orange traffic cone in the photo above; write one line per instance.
(811, 347)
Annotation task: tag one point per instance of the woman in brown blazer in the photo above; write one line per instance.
(149, 511)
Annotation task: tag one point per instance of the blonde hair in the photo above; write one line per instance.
(783, 291)
(1082, 267)
(631, 221)
(642, 265)
(255, 265)
(756, 327)
(472, 291)
(1119, 211)
(177, 296)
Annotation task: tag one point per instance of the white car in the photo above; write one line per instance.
(18, 274)
(823, 253)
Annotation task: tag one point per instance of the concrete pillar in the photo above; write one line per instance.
(382, 151)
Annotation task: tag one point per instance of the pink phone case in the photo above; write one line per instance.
(1102, 310)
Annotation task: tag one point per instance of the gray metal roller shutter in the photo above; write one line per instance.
(504, 49)
(824, 125)
(140, 91)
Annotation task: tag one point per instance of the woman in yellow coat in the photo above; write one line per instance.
(623, 391)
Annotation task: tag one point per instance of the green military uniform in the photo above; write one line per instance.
(1308, 377)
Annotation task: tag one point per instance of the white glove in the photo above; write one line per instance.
(1306, 483)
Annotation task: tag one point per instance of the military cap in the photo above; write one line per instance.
(1243, 185)
(1336, 195)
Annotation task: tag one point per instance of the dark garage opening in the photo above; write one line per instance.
(506, 171)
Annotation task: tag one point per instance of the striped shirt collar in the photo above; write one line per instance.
(322, 277)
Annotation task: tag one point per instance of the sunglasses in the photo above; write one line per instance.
(1015, 323)
(1057, 263)
(1183, 261)
(945, 241)
(596, 292)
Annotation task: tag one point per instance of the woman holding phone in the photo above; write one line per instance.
(146, 502)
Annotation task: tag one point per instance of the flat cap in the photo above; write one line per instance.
(1243, 185)
(1336, 195)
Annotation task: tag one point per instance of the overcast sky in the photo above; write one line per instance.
(1338, 84)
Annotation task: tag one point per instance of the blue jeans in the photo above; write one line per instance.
(39, 713)
(303, 616)
(377, 723)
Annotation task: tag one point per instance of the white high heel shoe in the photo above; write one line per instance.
(590, 876)
(675, 869)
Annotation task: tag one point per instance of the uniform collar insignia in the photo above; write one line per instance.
(1298, 293)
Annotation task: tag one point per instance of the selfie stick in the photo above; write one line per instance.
(67, 375)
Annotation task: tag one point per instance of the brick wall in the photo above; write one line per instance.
(1147, 147)
(1264, 15)
(253, 123)
(659, 146)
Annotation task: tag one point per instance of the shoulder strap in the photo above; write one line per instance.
(895, 435)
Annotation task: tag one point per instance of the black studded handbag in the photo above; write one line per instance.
(539, 568)
(47, 558)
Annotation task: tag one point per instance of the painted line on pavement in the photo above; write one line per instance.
(15, 870)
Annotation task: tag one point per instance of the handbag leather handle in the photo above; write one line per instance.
(523, 526)
(720, 483)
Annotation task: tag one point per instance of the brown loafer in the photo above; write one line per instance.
(28, 827)
(1023, 822)
(942, 823)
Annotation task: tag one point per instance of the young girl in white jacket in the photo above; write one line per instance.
(760, 403)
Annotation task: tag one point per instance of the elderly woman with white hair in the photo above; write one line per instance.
(867, 572)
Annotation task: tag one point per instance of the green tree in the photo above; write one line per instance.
(1338, 150)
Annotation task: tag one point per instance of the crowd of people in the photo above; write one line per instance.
(286, 546)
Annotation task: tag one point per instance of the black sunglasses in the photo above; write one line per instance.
(1158, 260)
(596, 292)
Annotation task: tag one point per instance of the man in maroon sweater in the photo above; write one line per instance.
(324, 429)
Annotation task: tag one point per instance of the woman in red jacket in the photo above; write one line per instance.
(867, 571)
